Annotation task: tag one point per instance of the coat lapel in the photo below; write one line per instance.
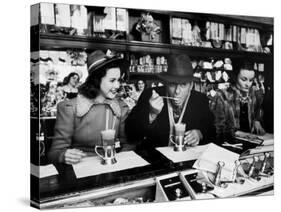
(83, 105)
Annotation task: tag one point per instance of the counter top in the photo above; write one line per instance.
(65, 185)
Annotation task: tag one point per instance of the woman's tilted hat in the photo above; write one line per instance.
(179, 70)
(98, 59)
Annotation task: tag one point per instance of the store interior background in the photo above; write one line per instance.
(215, 44)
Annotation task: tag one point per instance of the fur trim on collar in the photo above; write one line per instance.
(84, 105)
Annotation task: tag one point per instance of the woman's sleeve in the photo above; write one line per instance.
(63, 132)
(220, 115)
(258, 112)
(122, 135)
(206, 119)
(137, 123)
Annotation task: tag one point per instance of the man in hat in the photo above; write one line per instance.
(151, 121)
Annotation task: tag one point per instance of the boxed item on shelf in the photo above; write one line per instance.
(62, 15)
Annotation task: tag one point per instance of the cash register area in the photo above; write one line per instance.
(159, 175)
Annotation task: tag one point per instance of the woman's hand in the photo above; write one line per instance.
(192, 137)
(257, 128)
(72, 156)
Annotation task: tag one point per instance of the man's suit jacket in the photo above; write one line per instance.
(197, 116)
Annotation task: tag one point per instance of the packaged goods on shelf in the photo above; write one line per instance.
(147, 64)
(98, 24)
(34, 15)
(110, 18)
(176, 28)
(47, 13)
(186, 32)
(228, 33)
(79, 19)
(121, 19)
(62, 15)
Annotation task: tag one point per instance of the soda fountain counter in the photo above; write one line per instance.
(160, 180)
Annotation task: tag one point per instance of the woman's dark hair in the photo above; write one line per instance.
(91, 87)
(67, 78)
(237, 68)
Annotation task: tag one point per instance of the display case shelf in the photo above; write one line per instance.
(54, 41)
(143, 76)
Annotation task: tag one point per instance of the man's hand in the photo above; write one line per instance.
(72, 156)
(156, 104)
(192, 137)
(257, 128)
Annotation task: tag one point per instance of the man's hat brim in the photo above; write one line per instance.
(176, 79)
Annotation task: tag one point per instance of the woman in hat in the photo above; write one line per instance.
(151, 121)
(239, 106)
(80, 120)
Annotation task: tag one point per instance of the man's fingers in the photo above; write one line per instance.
(191, 141)
(158, 100)
(154, 94)
(188, 133)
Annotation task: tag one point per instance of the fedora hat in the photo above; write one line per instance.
(179, 70)
(98, 59)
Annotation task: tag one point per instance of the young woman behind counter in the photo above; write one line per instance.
(70, 83)
(239, 106)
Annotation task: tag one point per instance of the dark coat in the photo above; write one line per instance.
(197, 116)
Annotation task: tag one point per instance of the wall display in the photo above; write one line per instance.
(132, 106)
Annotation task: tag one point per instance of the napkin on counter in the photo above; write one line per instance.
(209, 159)
(191, 153)
(266, 139)
(261, 149)
(91, 166)
(43, 171)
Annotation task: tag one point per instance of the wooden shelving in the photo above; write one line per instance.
(144, 76)
(55, 42)
(131, 44)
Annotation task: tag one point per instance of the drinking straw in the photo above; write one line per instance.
(114, 120)
(106, 118)
(168, 97)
